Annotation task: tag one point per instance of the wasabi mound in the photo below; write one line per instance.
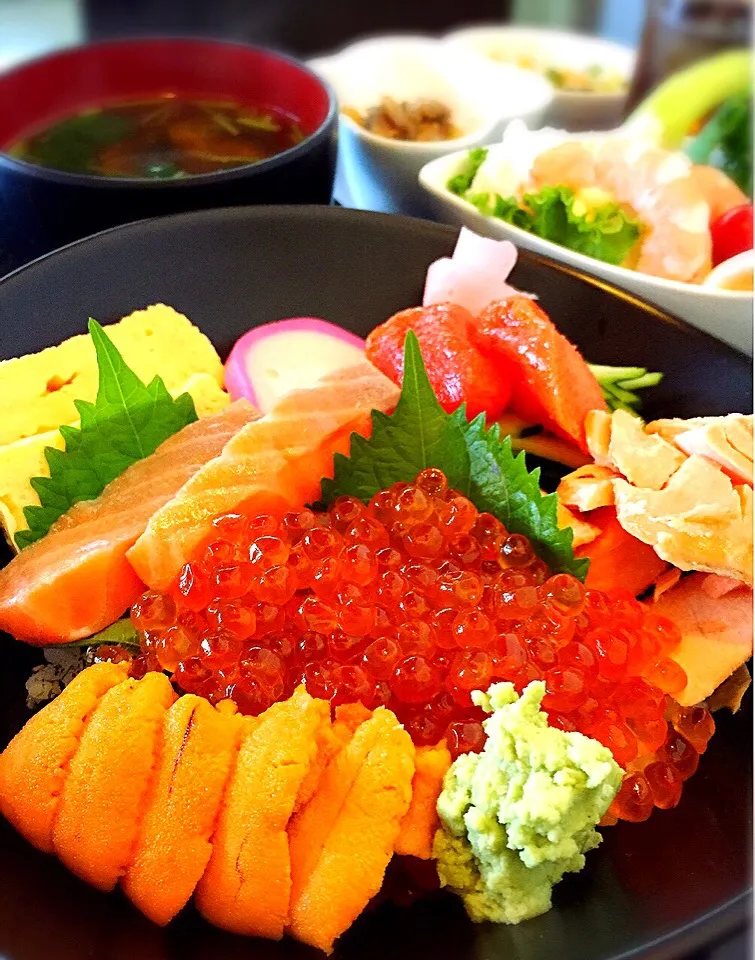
(518, 816)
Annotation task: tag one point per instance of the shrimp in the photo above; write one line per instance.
(719, 190)
(570, 164)
(655, 184)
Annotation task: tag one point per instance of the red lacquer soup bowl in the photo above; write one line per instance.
(42, 208)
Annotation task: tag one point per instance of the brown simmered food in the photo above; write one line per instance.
(407, 120)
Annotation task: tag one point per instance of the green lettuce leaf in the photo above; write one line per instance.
(605, 232)
(476, 461)
(463, 179)
(725, 142)
(127, 422)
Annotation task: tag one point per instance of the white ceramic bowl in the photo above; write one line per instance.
(558, 49)
(377, 173)
(725, 314)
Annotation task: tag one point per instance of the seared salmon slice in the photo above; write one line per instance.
(76, 580)
(273, 464)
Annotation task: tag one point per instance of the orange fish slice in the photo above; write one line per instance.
(271, 465)
(76, 579)
(552, 384)
(716, 633)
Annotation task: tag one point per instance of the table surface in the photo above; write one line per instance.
(31, 27)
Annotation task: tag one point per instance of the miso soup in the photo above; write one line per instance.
(162, 138)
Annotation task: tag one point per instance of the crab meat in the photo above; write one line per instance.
(699, 521)
(598, 435)
(646, 460)
(587, 488)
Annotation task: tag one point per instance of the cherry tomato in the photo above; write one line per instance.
(731, 233)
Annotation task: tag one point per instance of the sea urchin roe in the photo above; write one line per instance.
(412, 602)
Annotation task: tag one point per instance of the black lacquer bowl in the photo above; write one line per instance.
(656, 890)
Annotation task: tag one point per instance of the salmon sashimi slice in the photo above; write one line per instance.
(105, 794)
(273, 464)
(551, 383)
(617, 558)
(76, 580)
(199, 748)
(716, 633)
(246, 887)
(35, 763)
(358, 808)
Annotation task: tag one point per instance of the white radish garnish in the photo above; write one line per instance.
(474, 276)
(270, 361)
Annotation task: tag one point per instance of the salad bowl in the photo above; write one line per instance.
(660, 889)
(725, 314)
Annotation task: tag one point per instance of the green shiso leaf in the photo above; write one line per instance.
(502, 485)
(476, 461)
(122, 633)
(418, 434)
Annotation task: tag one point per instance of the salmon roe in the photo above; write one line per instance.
(413, 602)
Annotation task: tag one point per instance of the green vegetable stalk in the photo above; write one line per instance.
(691, 94)
(619, 385)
